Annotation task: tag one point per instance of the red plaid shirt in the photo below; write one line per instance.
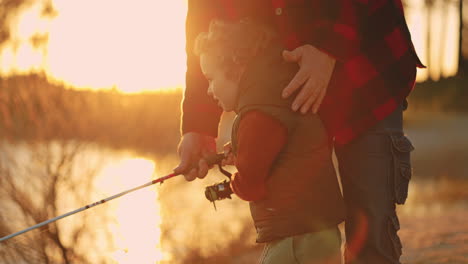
(376, 60)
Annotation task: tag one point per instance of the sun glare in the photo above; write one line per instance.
(137, 232)
(131, 46)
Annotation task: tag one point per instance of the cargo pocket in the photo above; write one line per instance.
(393, 226)
(401, 148)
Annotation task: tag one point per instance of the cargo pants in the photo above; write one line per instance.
(375, 170)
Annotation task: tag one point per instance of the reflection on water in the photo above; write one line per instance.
(173, 222)
(124, 230)
(169, 223)
(136, 231)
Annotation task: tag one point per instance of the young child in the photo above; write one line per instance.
(283, 158)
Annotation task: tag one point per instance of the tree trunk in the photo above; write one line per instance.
(443, 37)
(429, 5)
(461, 59)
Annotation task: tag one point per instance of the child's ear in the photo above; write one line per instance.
(234, 67)
(234, 73)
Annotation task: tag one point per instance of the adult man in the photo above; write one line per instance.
(357, 63)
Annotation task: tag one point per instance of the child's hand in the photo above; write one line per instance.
(230, 158)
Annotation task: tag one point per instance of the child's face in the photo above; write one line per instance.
(223, 89)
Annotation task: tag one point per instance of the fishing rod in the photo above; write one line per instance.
(210, 160)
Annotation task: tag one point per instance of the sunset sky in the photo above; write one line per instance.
(104, 43)
(137, 47)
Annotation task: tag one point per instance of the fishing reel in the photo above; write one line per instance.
(221, 190)
(218, 191)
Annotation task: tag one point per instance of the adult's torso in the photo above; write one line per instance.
(369, 82)
(289, 17)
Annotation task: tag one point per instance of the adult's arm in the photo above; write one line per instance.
(200, 113)
(260, 140)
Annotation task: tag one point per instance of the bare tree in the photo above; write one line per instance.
(444, 7)
(36, 180)
(10, 8)
(463, 41)
(429, 6)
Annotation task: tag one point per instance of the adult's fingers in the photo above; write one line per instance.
(202, 169)
(192, 175)
(292, 56)
(314, 92)
(304, 94)
(185, 160)
(319, 100)
(300, 77)
(306, 106)
(298, 80)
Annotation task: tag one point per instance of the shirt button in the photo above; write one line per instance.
(278, 11)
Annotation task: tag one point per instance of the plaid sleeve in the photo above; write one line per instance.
(200, 113)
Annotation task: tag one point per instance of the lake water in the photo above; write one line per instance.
(128, 229)
(131, 223)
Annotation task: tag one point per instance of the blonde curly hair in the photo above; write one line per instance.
(234, 43)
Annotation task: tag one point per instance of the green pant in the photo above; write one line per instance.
(323, 247)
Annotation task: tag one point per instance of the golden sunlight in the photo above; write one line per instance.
(136, 232)
(140, 45)
(444, 41)
(131, 46)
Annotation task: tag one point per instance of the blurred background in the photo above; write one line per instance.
(90, 97)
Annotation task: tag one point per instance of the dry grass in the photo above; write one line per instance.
(435, 237)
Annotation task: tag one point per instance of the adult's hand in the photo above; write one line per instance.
(315, 70)
(194, 147)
